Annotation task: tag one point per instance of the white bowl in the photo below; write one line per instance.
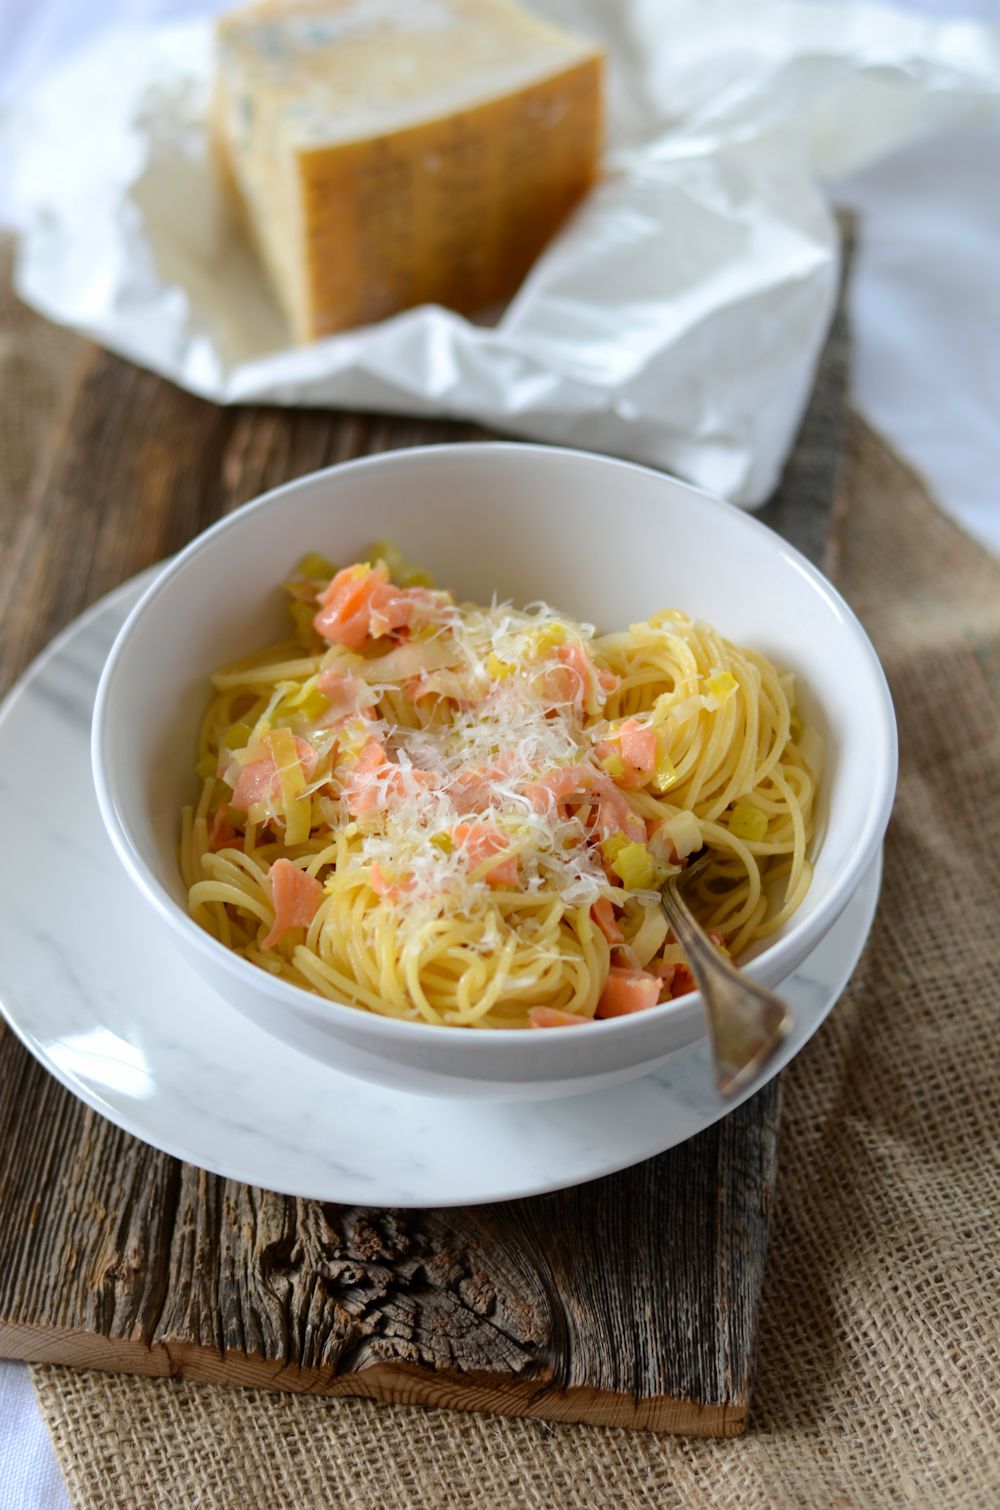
(607, 542)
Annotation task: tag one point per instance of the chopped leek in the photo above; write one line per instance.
(309, 705)
(207, 767)
(649, 936)
(615, 767)
(237, 736)
(612, 846)
(498, 669)
(314, 705)
(303, 615)
(747, 821)
(385, 550)
(548, 637)
(402, 572)
(413, 576)
(305, 701)
(635, 867)
(315, 567)
(297, 807)
(665, 774)
(683, 832)
(722, 684)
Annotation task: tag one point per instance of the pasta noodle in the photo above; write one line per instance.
(462, 815)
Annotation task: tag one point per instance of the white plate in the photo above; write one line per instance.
(92, 986)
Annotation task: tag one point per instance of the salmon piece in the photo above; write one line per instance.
(395, 608)
(345, 605)
(557, 786)
(637, 749)
(575, 679)
(556, 789)
(562, 791)
(296, 898)
(221, 833)
(478, 842)
(361, 603)
(627, 991)
(639, 746)
(551, 1017)
(682, 981)
(603, 914)
(361, 791)
(253, 782)
(470, 790)
(376, 781)
(400, 782)
(581, 673)
(258, 779)
(614, 816)
(665, 975)
(678, 980)
(347, 695)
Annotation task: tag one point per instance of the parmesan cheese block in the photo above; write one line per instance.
(395, 152)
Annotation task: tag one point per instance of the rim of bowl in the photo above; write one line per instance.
(799, 938)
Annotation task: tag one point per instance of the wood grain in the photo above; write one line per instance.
(631, 1301)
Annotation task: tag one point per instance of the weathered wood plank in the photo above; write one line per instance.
(630, 1301)
(142, 467)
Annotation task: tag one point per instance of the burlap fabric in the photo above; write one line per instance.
(877, 1375)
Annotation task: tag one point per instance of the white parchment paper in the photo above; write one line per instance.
(676, 320)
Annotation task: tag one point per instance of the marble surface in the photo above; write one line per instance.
(91, 984)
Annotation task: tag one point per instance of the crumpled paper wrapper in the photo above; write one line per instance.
(676, 320)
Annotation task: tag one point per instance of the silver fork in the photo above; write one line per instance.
(746, 1022)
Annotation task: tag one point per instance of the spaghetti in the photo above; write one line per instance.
(462, 815)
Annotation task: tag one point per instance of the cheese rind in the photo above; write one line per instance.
(396, 152)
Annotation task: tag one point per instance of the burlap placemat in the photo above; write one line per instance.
(877, 1377)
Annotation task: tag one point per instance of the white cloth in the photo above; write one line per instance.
(926, 305)
(926, 315)
(29, 1476)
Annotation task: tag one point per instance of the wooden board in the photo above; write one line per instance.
(632, 1301)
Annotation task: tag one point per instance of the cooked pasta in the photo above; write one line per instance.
(461, 815)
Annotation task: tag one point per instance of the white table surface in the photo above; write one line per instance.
(926, 372)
